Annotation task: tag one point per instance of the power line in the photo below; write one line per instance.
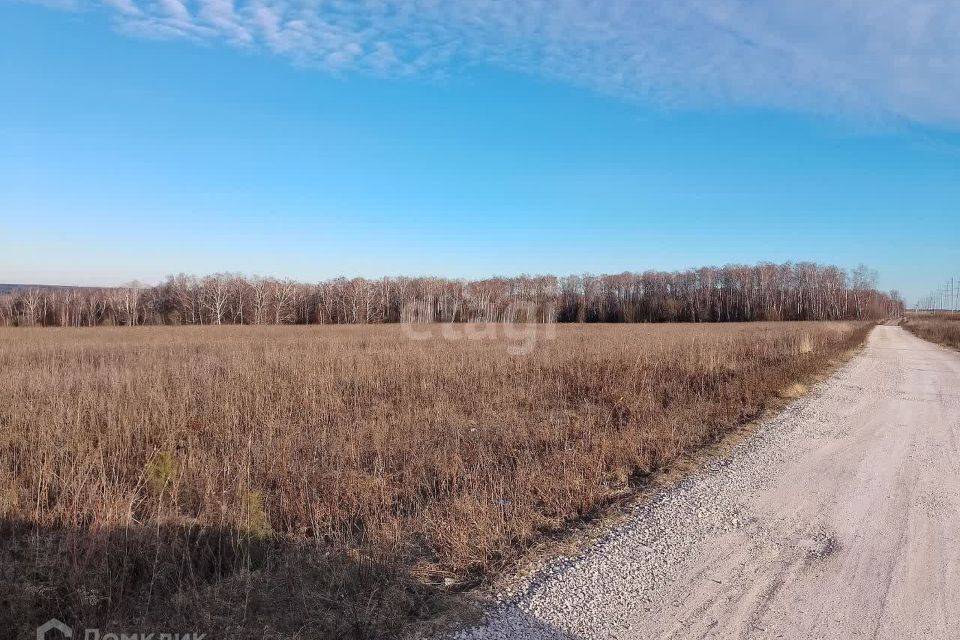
(944, 298)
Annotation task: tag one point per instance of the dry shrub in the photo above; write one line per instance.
(794, 390)
(943, 328)
(313, 481)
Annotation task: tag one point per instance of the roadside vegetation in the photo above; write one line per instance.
(340, 481)
(942, 327)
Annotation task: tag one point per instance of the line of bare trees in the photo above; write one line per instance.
(803, 291)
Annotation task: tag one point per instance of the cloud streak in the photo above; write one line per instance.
(875, 58)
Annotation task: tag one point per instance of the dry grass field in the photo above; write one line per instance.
(339, 481)
(936, 327)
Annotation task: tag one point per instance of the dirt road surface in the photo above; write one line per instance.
(840, 518)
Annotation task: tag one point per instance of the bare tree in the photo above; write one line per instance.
(214, 296)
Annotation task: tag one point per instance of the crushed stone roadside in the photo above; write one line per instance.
(839, 517)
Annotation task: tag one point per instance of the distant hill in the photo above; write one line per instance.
(10, 288)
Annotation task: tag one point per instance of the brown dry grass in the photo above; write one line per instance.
(943, 328)
(328, 481)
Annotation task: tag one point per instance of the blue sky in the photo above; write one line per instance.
(316, 139)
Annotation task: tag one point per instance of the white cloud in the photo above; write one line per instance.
(882, 58)
(175, 9)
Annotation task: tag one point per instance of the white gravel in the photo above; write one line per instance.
(838, 518)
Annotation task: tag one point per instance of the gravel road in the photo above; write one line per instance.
(839, 518)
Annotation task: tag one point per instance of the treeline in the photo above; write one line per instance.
(803, 291)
